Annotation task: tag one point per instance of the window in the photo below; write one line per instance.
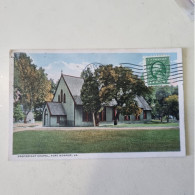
(87, 117)
(145, 114)
(127, 117)
(102, 115)
(58, 98)
(62, 120)
(58, 119)
(64, 98)
(114, 111)
(61, 95)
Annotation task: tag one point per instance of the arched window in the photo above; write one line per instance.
(61, 95)
(145, 114)
(87, 117)
(102, 115)
(64, 98)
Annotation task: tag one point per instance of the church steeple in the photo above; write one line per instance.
(61, 72)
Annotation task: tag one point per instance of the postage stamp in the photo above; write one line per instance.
(82, 104)
(158, 70)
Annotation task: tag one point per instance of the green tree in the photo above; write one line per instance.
(90, 94)
(119, 84)
(39, 104)
(151, 100)
(31, 83)
(18, 114)
(161, 94)
(172, 106)
(53, 86)
(157, 100)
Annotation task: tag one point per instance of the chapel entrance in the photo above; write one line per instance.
(63, 121)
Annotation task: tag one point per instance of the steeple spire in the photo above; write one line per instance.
(61, 72)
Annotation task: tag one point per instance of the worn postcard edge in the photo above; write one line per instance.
(181, 153)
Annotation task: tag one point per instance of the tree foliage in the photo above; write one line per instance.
(90, 94)
(172, 106)
(119, 84)
(161, 106)
(18, 114)
(39, 105)
(30, 83)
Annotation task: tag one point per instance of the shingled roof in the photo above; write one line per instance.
(75, 86)
(56, 109)
(142, 103)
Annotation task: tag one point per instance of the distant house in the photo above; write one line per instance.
(66, 107)
(30, 117)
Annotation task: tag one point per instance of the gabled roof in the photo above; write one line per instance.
(78, 100)
(142, 103)
(56, 109)
(75, 86)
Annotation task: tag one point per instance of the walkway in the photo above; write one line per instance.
(40, 128)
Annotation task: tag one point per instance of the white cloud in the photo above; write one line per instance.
(75, 67)
(48, 67)
(54, 69)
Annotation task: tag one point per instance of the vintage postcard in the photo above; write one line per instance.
(83, 104)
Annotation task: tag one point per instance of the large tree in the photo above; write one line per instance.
(90, 94)
(39, 105)
(31, 85)
(162, 104)
(172, 106)
(120, 85)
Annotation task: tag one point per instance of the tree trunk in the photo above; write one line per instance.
(25, 119)
(116, 118)
(97, 119)
(168, 119)
(161, 119)
(94, 124)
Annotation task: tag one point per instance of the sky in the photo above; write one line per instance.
(74, 63)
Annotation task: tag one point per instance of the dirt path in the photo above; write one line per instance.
(40, 128)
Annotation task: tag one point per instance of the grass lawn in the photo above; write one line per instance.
(95, 141)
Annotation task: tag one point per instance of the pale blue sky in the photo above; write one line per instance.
(74, 63)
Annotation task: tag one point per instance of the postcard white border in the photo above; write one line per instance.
(180, 153)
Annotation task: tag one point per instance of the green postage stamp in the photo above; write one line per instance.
(157, 70)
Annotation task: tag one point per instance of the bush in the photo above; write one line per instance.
(18, 113)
